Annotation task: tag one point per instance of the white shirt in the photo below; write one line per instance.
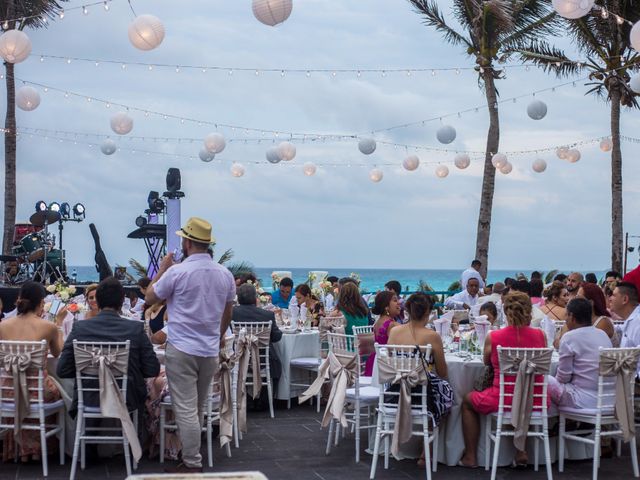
(459, 299)
(467, 275)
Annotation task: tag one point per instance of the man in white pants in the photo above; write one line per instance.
(199, 294)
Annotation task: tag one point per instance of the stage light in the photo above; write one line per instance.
(78, 210)
(158, 205)
(54, 206)
(41, 206)
(141, 221)
(65, 210)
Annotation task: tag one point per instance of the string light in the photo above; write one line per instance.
(85, 10)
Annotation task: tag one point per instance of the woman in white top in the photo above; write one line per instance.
(576, 382)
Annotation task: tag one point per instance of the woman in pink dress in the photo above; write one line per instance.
(517, 334)
(386, 305)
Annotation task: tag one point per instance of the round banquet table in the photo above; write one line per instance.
(290, 346)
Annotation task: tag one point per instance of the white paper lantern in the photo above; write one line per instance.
(121, 123)
(272, 12)
(108, 147)
(539, 165)
(237, 170)
(27, 98)
(573, 155)
(499, 160)
(309, 169)
(376, 175)
(367, 145)
(606, 145)
(537, 110)
(214, 142)
(506, 168)
(411, 163)
(634, 36)
(146, 32)
(562, 153)
(446, 134)
(206, 156)
(272, 155)
(573, 9)
(15, 46)
(442, 171)
(462, 161)
(634, 83)
(286, 151)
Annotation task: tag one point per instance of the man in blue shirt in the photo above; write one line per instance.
(282, 296)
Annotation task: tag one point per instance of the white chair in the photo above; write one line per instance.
(358, 396)
(116, 360)
(398, 361)
(362, 329)
(366, 340)
(603, 414)
(541, 357)
(35, 355)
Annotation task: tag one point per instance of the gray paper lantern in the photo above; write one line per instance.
(272, 155)
(537, 110)
(108, 147)
(411, 163)
(367, 145)
(539, 165)
(272, 12)
(462, 161)
(446, 134)
(206, 156)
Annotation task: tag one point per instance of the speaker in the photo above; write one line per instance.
(173, 180)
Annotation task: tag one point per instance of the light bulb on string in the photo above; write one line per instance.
(5, 25)
(106, 6)
(85, 10)
(61, 14)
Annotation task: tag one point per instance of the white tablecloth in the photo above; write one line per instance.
(294, 345)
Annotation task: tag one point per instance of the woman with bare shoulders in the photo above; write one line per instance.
(556, 298)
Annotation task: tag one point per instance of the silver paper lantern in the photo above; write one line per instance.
(237, 170)
(506, 168)
(367, 145)
(562, 153)
(146, 32)
(214, 142)
(309, 169)
(446, 134)
(537, 110)
(108, 147)
(499, 160)
(573, 9)
(634, 83)
(539, 165)
(573, 155)
(411, 163)
(375, 175)
(121, 123)
(15, 46)
(272, 12)
(272, 155)
(442, 171)
(462, 161)
(206, 156)
(27, 98)
(634, 37)
(286, 151)
(606, 145)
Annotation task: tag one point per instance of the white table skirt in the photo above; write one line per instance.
(294, 345)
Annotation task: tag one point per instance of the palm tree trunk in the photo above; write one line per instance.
(9, 161)
(616, 183)
(489, 177)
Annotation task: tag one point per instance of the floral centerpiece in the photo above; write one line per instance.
(276, 279)
(62, 290)
(355, 276)
(263, 297)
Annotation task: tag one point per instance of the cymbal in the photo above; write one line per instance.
(38, 219)
(8, 258)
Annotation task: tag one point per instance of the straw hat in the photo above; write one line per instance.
(196, 229)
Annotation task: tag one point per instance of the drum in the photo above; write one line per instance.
(55, 258)
(32, 246)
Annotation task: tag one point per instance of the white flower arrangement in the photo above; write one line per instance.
(62, 290)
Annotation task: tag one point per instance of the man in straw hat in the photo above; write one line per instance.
(199, 294)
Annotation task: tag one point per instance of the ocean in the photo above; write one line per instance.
(371, 280)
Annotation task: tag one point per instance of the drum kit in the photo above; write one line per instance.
(34, 256)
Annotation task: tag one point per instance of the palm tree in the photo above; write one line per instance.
(604, 41)
(491, 31)
(11, 10)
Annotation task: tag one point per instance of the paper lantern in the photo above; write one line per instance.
(442, 171)
(634, 36)
(206, 156)
(634, 83)
(272, 155)
(562, 153)
(573, 155)
(214, 142)
(506, 168)
(446, 134)
(411, 163)
(108, 147)
(121, 123)
(237, 170)
(15, 46)
(309, 169)
(499, 160)
(573, 9)
(27, 98)
(606, 145)
(146, 32)
(272, 12)
(539, 165)
(462, 161)
(286, 151)
(376, 175)
(367, 145)
(537, 110)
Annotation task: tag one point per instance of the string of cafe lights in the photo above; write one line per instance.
(85, 9)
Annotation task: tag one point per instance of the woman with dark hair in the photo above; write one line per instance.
(491, 311)
(28, 325)
(387, 307)
(536, 288)
(352, 306)
(315, 309)
(556, 297)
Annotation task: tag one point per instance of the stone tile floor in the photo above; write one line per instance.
(291, 446)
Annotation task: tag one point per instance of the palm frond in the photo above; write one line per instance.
(548, 278)
(140, 269)
(241, 268)
(226, 256)
(550, 58)
(33, 12)
(434, 18)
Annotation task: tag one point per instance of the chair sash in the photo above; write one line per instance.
(522, 402)
(248, 353)
(389, 374)
(330, 325)
(623, 365)
(226, 399)
(17, 365)
(112, 402)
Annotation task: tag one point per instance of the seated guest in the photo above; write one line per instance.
(576, 382)
(387, 307)
(28, 325)
(90, 300)
(489, 309)
(282, 297)
(395, 287)
(561, 277)
(574, 280)
(624, 302)
(517, 333)
(466, 298)
(556, 298)
(132, 306)
(488, 289)
(156, 316)
(537, 315)
(591, 278)
(352, 306)
(601, 317)
(334, 280)
(472, 272)
(611, 278)
(315, 309)
(536, 287)
(108, 326)
(495, 296)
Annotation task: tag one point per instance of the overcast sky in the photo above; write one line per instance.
(274, 215)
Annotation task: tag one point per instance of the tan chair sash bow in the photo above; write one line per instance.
(522, 402)
(112, 402)
(17, 365)
(330, 325)
(388, 374)
(226, 399)
(248, 353)
(623, 365)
